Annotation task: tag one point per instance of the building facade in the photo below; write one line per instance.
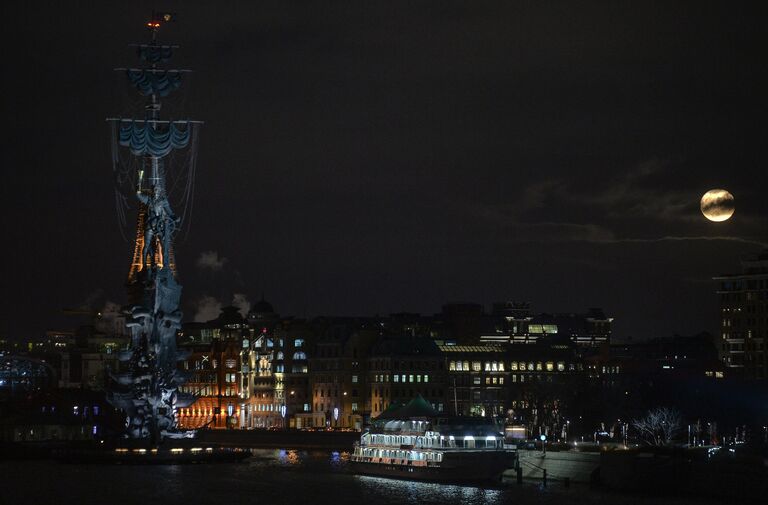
(743, 315)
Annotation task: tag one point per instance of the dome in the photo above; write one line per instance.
(262, 307)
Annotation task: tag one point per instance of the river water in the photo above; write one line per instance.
(277, 477)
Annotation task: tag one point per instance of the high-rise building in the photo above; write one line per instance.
(744, 318)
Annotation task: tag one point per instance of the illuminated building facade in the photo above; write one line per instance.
(744, 318)
(337, 380)
(400, 368)
(296, 338)
(213, 366)
(525, 386)
(478, 379)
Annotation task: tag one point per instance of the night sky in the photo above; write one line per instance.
(373, 157)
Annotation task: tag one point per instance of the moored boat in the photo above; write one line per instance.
(415, 442)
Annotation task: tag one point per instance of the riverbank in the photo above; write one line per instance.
(281, 439)
(250, 439)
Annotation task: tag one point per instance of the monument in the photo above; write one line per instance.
(147, 387)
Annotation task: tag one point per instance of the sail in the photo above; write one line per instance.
(154, 82)
(154, 54)
(145, 140)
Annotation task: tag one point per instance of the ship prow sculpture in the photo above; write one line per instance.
(147, 387)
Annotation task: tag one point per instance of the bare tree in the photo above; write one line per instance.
(659, 426)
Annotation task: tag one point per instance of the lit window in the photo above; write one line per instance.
(298, 342)
(513, 365)
(501, 366)
(452, 366)
(299, 355)
(397, 378)
(476, 366)
(426, 378)
(550, 366)
(487, 366)
(354, 378)
(560, 366)
(410, 378)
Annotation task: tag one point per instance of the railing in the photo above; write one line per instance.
(440, 446)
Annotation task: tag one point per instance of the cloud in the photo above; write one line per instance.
(692, 238)
(644, 204)
(240, 301)
(207, 308)
(210, 260)
(634, 195)
(595, 234)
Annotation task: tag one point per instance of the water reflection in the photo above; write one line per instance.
(408, 491)
(289, 457)
(339, 460)
(284, 477)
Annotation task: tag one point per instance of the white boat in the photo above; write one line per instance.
(415, 442)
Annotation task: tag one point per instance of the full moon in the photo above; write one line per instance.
(717, 205)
